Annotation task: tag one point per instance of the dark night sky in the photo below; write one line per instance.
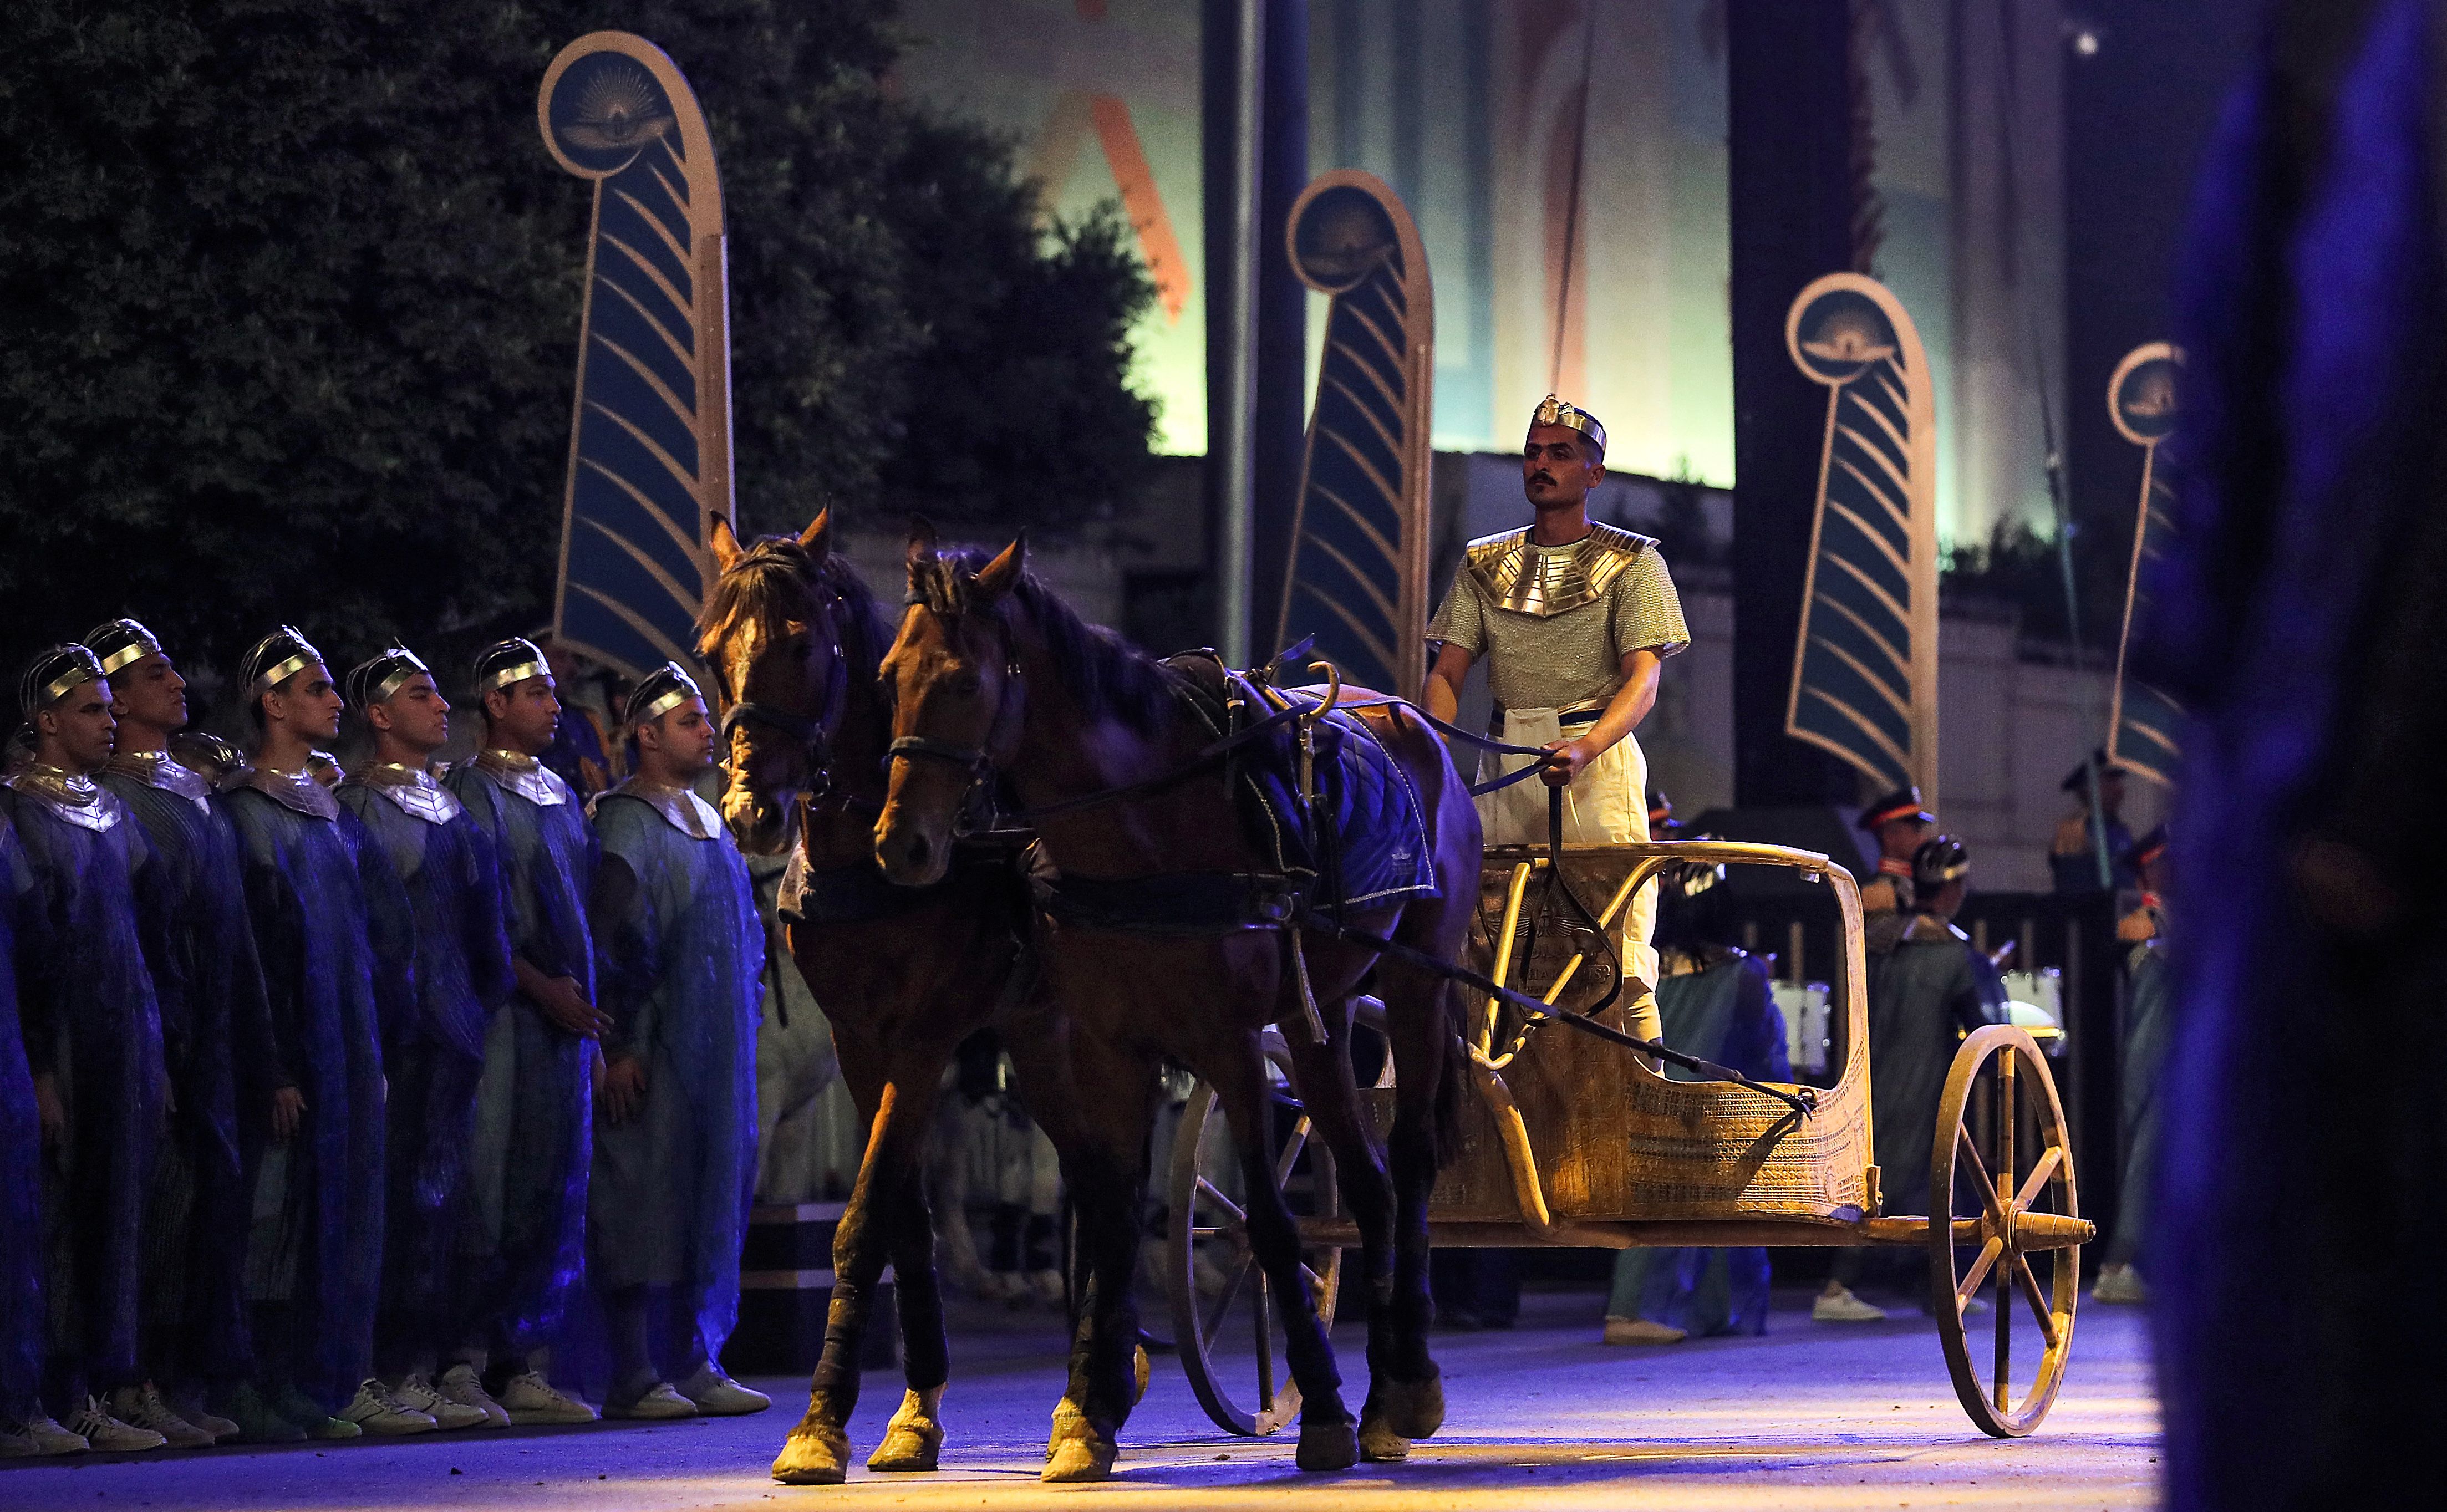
(2140, 113)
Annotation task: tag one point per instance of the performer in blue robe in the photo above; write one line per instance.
(336, 943)
(680, 954)
(1927, 989)
(463, 975)
(533, 1137)
(21, 1170)
(96, 1053)
(1714, 1001)
(210, 990)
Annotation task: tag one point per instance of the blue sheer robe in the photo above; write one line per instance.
(680, 951)
(525, 1239)
(463, 975)
(21, 1149)
(336, 943)
(1724, 1013)
(213, 1019)
(99, 1034)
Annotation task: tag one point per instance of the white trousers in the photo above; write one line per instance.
(1608, 805)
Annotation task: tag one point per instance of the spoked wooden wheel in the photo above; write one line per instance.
(1226, 1318)
(2002, 1154)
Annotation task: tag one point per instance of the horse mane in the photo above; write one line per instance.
(1108, 676)
(774, 583)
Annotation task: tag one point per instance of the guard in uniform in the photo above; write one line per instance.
(1575, 620)
(2149, 1031)
(1899, 823)
(2073, 859)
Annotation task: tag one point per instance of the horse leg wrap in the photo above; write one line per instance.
(1410, 1410)
(817, 1452)
(1079, 1450)
(914, 1440)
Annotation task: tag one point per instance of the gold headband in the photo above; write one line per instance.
(58, 686)
(1554, 411)
(134, 650)
(669, 699)
(280, 672)
(411, 667)
(503, 678)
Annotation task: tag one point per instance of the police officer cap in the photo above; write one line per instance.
(2079, 779)
(1904, 803)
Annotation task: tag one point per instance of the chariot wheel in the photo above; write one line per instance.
(1226, 1319)
(2002, 1166)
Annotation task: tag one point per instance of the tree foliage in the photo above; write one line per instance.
(290, 294)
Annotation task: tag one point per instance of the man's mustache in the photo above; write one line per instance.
(1543, 478)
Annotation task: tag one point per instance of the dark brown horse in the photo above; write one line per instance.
(793, 639)
(992, 674)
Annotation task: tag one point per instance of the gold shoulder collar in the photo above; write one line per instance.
(1927, 929)
(71, 798)
(1544, 583)
(681, 807)
(155, 769)
(415, 791)
(299, 793)
(525, 776)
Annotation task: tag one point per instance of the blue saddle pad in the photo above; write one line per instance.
(1375, 812)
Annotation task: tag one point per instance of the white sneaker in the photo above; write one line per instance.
(418, 1395)
(1841, 1306)
(531, 1400)
(190, 1404)
(50, 1438)
(374, 1409)
(659, 1403)
(142, 1407)
(460, 1387)
(107, 1434)
(15, 1444)
(718, 1395)
(2120, 1284)
(1045, 1287)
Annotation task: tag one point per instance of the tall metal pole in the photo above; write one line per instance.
(1239, 451)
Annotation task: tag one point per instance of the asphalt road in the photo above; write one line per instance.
(1812, 1416)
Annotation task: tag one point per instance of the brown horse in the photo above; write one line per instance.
(992, 673)
(793, 639)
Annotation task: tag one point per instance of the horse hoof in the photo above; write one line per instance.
(914, 1440)
(1139, 1372)
(1380, 1445)
(1076, 1451)
(815, 1454)
(1327, 1446)
(1088, 1457)
(1410, 1409)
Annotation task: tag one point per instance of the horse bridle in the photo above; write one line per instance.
(980, 761)
(814, 733)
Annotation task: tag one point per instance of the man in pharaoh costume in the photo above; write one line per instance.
(215, 1019)
(1899, 823)
(94, 1042)
(1575, 620)
(462, 976)
(679, 955)
(2149, 1030)
(528, 1172)
(338, 946)
(24, 1428)
(1715, 1001)
(1927, 987)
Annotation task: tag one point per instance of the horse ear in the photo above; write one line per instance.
(1002, 574)
(725, 543)
(922, 540)
(818, 537)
